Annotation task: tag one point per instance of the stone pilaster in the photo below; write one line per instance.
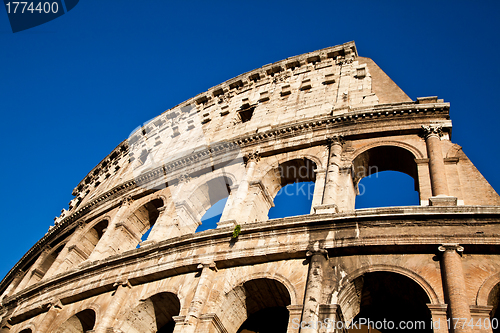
(312, 298)
(294, 313)
(319, 189)
(439, 318)
(66, 254)
(454, 287)
(439, 184)
(235, 210)
(29, 277)
(103, 248)
(54, 309)
(481, 315)
(200, 297)
(118, 299)
(162, 229)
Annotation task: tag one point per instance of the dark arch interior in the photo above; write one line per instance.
(166, 305)
(296, 171)
(384, 158)
(266, 301)
(82, 322)
(87, 318)
(494, 300)
(100, 228)
(27, 330)
(392, 297)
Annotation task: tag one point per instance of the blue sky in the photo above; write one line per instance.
(72, 89)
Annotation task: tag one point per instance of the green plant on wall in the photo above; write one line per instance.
(236, 231)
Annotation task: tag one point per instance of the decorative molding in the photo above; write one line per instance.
(451, 247)
(432, 130)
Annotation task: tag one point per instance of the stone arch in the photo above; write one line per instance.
(411, 148)
(152, 314)
(288, 170)
(486, 289)
(139, 219)
(248, 302)
(29, 328)
(93, 234)
(208, 192)
(453, 151)
(79, 322)
(195, 197)
(276, 276)
(385, 156)
(350, 290)
(404, 161)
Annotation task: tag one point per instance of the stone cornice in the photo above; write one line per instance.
(390, 218)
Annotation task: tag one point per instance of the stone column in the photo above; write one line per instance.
(438, 316)
(294, 312)
(439, 184)
(33, 269)
(454, 287)
(329, 203)
(118, 298)
(312, 298)
(54, 309)
(236, 206)
(199, 299)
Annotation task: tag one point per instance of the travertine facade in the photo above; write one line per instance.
(330, 117)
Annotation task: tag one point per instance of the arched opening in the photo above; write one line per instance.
(494, 301)
(378, 176)
(212, 216)
(390, 302)
(257, 305)
(79, 323)
(139, 224)
(152, 315)
(386, 189)
(213, 197)
(26, 330)
(92, 237)
(292, 187)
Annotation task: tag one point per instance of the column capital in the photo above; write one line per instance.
(126, 201)
(450, 247)
(337, 139)
(323, 252)
(123, 283)
(432, 130)
(54, 304)
(212, 265)
(252, 157)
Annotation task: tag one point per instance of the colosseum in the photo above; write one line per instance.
(128, 255)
